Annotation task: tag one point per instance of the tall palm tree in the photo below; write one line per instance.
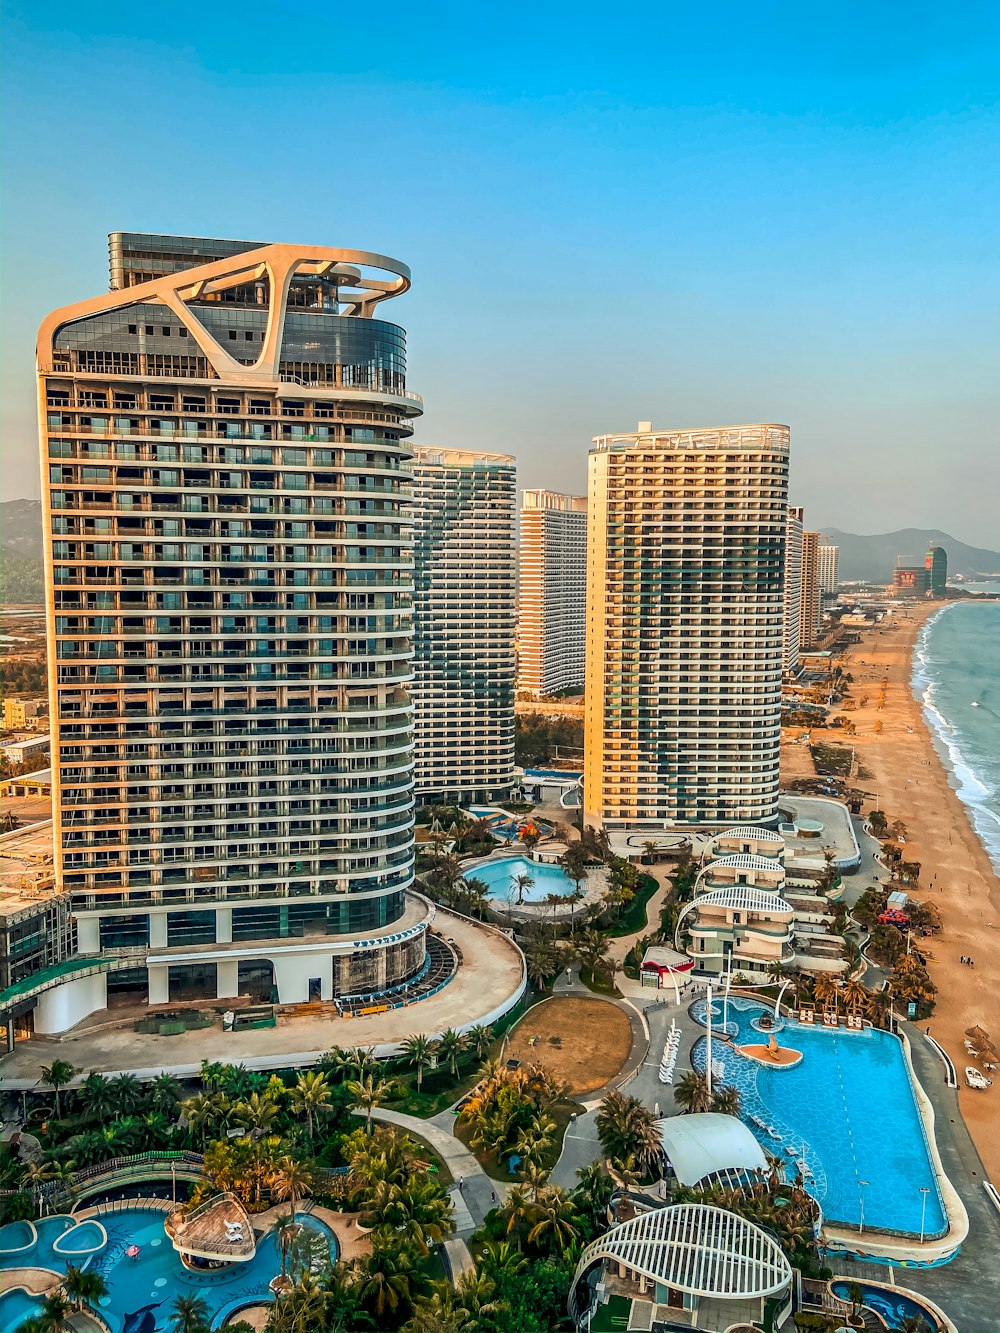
(626, 1129)
(369, 1093)
(283, 1229)
(311, 1097)
(826, 991)
(292, 1180)
(97, 1096)
(83, 1288)
(56, 1076)
(127, 1092)
(164, 1093)
(522, 883)
(555, 1221)
(518, 1212)
(436, 1313)
(480, 1038)
(199, 1111)
(55, 1311)
(383, 1280)
(691, 1092)
(419, 1050)
(451, 1045)
(35, 1176)
(727, 1100)
(499, 1256)
(856, 996)
(258, 1112)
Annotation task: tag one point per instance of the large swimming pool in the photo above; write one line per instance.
(499, 877)
(847, 1111)
(141, 1290)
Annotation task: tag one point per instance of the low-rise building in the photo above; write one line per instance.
(27, 747)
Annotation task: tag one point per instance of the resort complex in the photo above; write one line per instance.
(338, 993)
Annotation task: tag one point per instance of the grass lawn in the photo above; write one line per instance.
(634, 917)
(599, 983)
(433, 1095)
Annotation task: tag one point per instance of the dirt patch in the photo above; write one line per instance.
(581, 1042)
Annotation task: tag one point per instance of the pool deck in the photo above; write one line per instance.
(491, 977)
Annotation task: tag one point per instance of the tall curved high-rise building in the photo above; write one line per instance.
(685, 592)
(229, 578)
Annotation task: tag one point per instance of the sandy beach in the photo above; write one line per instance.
(912, 785)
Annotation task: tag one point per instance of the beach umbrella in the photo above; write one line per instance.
(978, 1033)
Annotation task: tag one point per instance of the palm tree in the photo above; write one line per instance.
(199, 1111)
(54, 1311)
(83, 1288)
(57, 1075)
(727, 1100)
(419, 1050)
(302, 1308)
(595, 1189)
(283, 1229)
(451, 1045)
(164, 1093)
(127, 1092)
(826, 991)
(311, 1097)
(856, 996)
(691, 1092)
(573, 862)
(480, 1038)
(436, 1313)
(383, 1280)
(63, 1174)
(518, 1212)
(626, 1129)
(499, 1256)
(522, 882)
(35, 1176)
(292, 1180)
(369, 1093)
(555, 1221)
(97, 1097)
(258, 1112)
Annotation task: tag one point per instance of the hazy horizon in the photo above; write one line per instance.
(691, 218)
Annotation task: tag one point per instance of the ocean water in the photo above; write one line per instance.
(956, 675)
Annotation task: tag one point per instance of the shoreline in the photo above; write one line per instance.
(915, 783)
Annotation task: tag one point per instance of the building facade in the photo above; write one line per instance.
(552, 593)
(225, 439)
(827, 569)
(810, 600)
(936, 562)
(911, 581)
(464, 612)
(792, 589)
(685, 591)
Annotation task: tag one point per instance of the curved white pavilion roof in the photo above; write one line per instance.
(745, 861)
(693, 1248)
(743, 896)
(706, 1143)
(751, 831)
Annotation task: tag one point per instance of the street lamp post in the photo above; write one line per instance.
(862, 1186)
(924, 1190)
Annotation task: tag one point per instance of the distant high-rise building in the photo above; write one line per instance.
(910, 579)
(810, 601)
(936, 562)
(792, 589)
(827, 566)
(464, 616)
(229, 583)
(685, 561)
(552, 610)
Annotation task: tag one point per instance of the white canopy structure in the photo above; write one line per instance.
(693, 1248)
(709, 1144)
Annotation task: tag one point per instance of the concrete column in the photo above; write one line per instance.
(227, 983)
(159, 984)
(88, 934)
(223, 925)
(158, 933)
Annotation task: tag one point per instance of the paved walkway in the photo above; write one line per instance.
(474, 1193)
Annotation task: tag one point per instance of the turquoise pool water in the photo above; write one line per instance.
(847, 1111)
(141, 1290)
(891, 1305)
(499, 878)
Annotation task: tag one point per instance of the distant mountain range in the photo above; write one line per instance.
(21, 576)
(874, 558)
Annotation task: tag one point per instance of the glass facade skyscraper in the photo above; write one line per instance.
(229, 574)
(464, 608)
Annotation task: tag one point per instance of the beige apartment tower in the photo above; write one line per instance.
(811, 598)
(793, 589)
(552, 593)
(685, 589)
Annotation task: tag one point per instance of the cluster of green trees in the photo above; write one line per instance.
(509, 1113)
(22, 675)
(537, 737)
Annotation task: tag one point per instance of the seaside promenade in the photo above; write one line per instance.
(956, 873)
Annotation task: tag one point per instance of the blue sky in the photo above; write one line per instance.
(684, 214)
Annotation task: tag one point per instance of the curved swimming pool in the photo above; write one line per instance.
(141, 1290)
(846, 1116)
(500, 880)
